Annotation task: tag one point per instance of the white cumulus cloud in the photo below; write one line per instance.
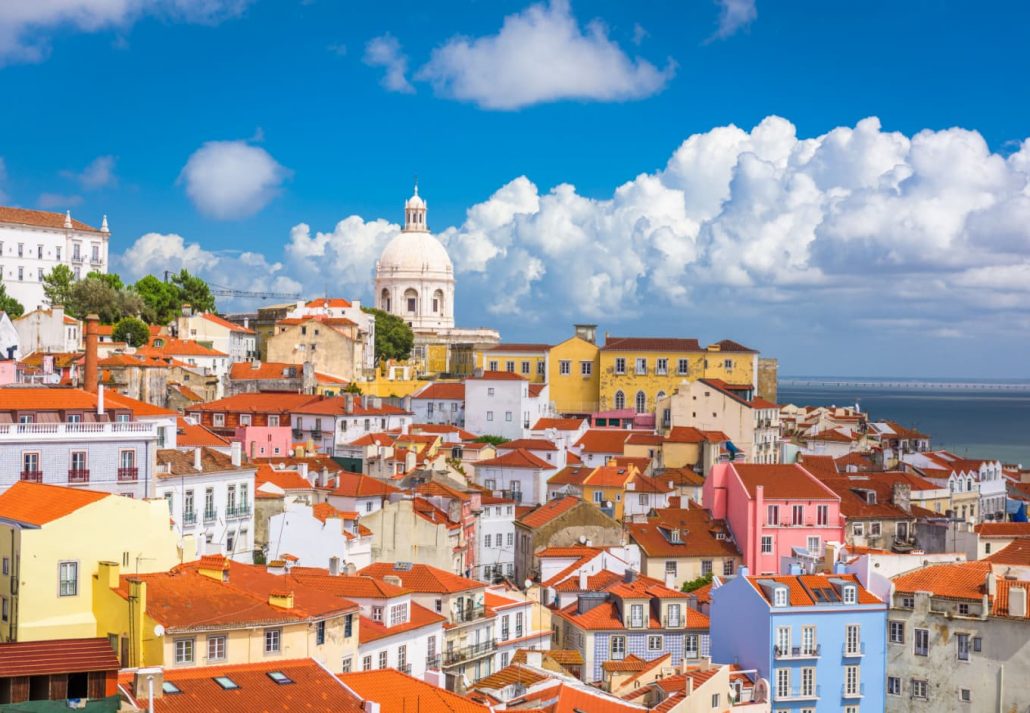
(98, 174)
(26, 26)
(385, 51)
(733, 15)
(541, 55)
(232, 179)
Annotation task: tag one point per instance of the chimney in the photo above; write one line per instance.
(197, 455)
(100, 400)
(334, 566)
(583, 580)
(108, 572)
(535, 658)
(1017, 601)
(236, 453)
(629, 576)
(147, 680)
(688, 685)
(394, 580)
(90, 379)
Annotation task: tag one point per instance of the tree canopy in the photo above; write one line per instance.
(131, 330)
(8, 304)
(394, 338)
(93, 295)
(160, 299)
(193, 291)
(57, 285)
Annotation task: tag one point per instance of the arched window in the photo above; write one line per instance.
(438, 302)
(620, 400)
(384, 301)
(411, 300)
(641, 402)
(658, 397)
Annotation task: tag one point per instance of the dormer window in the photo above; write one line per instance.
(780, 597)
(850, 594)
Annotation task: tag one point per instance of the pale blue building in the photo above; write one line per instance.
(819, 640)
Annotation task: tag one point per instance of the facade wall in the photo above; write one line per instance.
(530, 482)
(768, 378)
(329, 351)
(46, 331)
(653, 383)
(220, 529)
(704, 407)
(497, 407)
(447, 411)
(496, 522)
(399, 535)
(532, 365)
(416, 649)
(571, 392)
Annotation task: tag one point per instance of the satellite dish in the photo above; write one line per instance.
(582, 539)
(528, 583)
(159, 630)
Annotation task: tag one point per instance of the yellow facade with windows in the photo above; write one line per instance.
(526, 360)
(573, 368)
(637, 379)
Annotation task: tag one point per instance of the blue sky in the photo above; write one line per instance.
(270, 145)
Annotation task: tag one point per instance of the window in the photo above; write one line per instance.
(690, 650)
(216, 648)
(808, 646)
(780, 597)
(641, 402)
(245, 419)
(525, 367)
(814, 544)
(564, 367)
(963, 609)
(852, 639)
(348, 626)
(908, 602)
(618, 647)
(541, 368)
(767, 545)
(636, 615)
(661, 367)
(896, 632)
(598, 496)
(487, 540)
(319, 633)
(715, 701)
(68, 575)
(183, 651)
(962, 642)
(782, 682)
(507, 416)
(641, 366)
(511, 539)
(384, 659)
(30, 463)
(798, 515)
(402, 656)
(674, 615)
(965, 695)
(5, 612)
(345, 666)
(727, 363)
(859, 529)
(586, 368)
(893, 686)
(977, 644)
(808, 681)
(492, 366)
(7, 566)
(489, 415)
(670, 567)
(772, 515)
(273, 421)
(919, 688)
(398, 614)
(682, 367)
(620, 401)
(728, 567)
(620, 365)
(706, 567)
(874, 529)
(366, 663)
(782, 639)
(273, 641)
(218, 419)
(655, 643)
(850, 594)
(377, 613)
(922, 642)
(509, 366)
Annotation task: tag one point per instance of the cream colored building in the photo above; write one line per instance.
(708, 406)
(333, 345)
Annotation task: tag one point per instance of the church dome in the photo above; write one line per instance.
(415, 252)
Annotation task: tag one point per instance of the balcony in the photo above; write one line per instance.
(210, 516)
(466, 653)
(433, 661)
(797, 652)
(467, 614)
(238, 512)
(49, 432)
(32, 476)
(515, 495)
(78, 475)
(128, 475)
(847, 691)
(189, 517)
(673, 622)
(798, 694)
(851, 652)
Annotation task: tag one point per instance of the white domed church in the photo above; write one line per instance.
(415, 281)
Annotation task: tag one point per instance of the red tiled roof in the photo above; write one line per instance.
(257, 403)
(498, 376)
(1003, 529)
(1017, 553)
(759, 403)
(282, 478)
(800, 587)
(651, 344)
(41, 398)
(397, 692)
(58, 656)
(337, 406)
(355, 485)
(195, 436)
(442, 390)
(543, 514)
(560, 424)
(422, 578)
(519, 458)
(530, 444)
(177, 347)
(38, 504)
(138, 408)
(961, 580)
(247, 370)
(418, 617)
(571, 475)
(782, 482)
(515, 347)
(40, 219)
(331, 302)
(1001, 599)
(697, 537)
(232, 326)
(604, 440)
(728, 345)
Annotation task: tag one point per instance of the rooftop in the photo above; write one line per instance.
(422, 578)
(37, 504)
(782, 482)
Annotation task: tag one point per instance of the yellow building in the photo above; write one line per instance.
(528, 360)
(215, 611)
(52, 540)
(572, 370)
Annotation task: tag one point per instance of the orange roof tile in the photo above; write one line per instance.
(248, 370)
(177, 347)
(138, 408)
(331, 302)
(1001, 599)
(232, 326)
(190, 435)
(603, 440)
(346, 586)
(519, 458)
(59, 656)
(559, 424)
(543, 514)
(800, 587)
(442, 390)
(960, 580)
(529, 444)
(422, 578)
(518, 347)
(1017, 553)
(40, 219)
(37, 398)
(272, 402)
(498, 376)
(355, 485)
(1003, 529)
(283, 478)
(418, 618)
(782, 481)
(651, 344)
(697, 539)
(396, 692)
(689, 434)
(37, 504)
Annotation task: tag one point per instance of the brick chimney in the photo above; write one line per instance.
(90, 378)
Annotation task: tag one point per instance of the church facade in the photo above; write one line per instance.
(415, 281)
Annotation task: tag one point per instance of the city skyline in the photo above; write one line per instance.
(845, 227)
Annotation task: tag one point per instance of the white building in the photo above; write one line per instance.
(518, 475)
(209, 496)
(499, 403)
(335, 423)
(318, 535)
(239, 342)
(440, 402)
(495, 535)
(48, 330)
(518, 624)
(34, 242)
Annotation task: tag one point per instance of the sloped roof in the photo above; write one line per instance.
(782, 482)
(559, 424)
(651, 344)
(442, 391)
(37, 504)
(960, 580)
(396, 692)
(543, 514)
(355, 485)
(519, 458)
(800, 587)
(422, 578)
(39, 658)
(40, 219)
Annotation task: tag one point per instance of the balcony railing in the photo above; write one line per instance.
(78, 475)
(515, 495)
(210, 516)
(798, 694)
(433, 661)
(468, 652)
(128, 475)
(238, 511)
(847, 691)
(853, 651)
(467, 614)
(189, 517)
(32, 476)
(797, 652)
(63, 430)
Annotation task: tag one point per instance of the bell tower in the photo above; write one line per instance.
(415, 214)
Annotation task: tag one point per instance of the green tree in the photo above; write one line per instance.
(8, 304)
(131, 330)
(492, 440)
(160, 299)
(394, 338)
(96, 296)
(352, 388)
(57, 285)
(193, 291)
(111, 278)
(697, 583)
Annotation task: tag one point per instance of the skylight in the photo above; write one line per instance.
(226, 682)
(279, 677)
(170, 688)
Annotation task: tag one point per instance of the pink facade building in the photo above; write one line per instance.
(778, 514)
(264, 441)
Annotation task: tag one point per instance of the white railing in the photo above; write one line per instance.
(20, 431)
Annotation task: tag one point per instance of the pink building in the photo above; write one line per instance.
(777, 513)
(264, 441)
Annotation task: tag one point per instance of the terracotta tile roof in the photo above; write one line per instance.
(337, 406)
(516, 347)
(443, 430)
(964, 580)
(188, 393)
(680, 477)
(313, 689)
(543, 514)
(331, 302)
(320, 318)
(651, 344)
(605, 616)
(38, 504)
(277, 403)
(567, 580)
(177, 347)
(782, 482)
(703, 594)
(559, 424)
(1001, 599)
(508, 675)
(423, 578)
(435, 487)
(800, 587)
(831, 435)
(565, 698)
(429, 512)
(139, 408)
(40, 219)
(231, 326)
(519, 458)
(610, 476)
(282, 478)
(190, 435)
(1017, 553)
(697, 539)
(373, 439)
(313, 462)
(355, 485)
(59, 656)
(571, 475)
(728, 345)
(419, 617)
(396, 692)
(346, 586)
(248, 370)
(855, 505)
(181, 462)
(630, 664)
(604, 440)
(915, 482)
(530, 444)
(35, 398)
(1003, 529)
(498, 376)
(574, 551)
(759, 403)
(442, 391)
(641, 463)
(536, 389)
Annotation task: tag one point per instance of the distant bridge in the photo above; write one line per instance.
(906, 385)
